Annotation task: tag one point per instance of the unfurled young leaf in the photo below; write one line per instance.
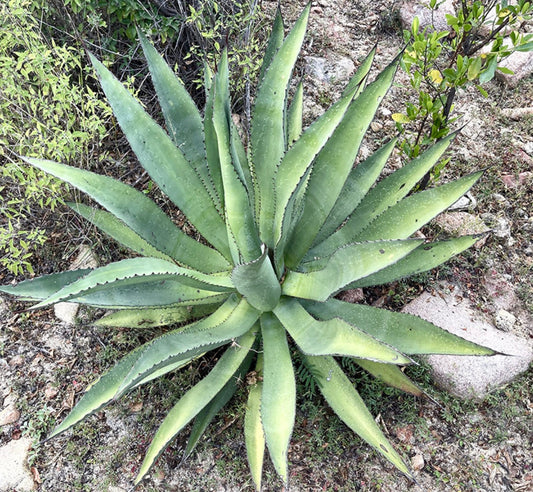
(288, 223)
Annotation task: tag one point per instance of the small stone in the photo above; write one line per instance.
(501, 200)
(50, 391)
(16, 361)
(466, 202)
(85, 259)
(406, 434)
(3, 306)
(9, 415)
(504, 320)
(66, 312)
(376, 127)
(352, 295)
(500, 290)
(417, 462)
(462, 223)
(435, 19)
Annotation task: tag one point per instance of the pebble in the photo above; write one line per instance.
(504, 320)
(9, 415)
(417, 462)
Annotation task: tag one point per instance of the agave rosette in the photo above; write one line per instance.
(289, 222)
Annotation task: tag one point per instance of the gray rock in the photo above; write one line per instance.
(427, 17)
(504, 320)
(466, 202)
(329, 71)
(14, 472)
(66, 312)
(471, 377)
(462, 223)
(520, 62)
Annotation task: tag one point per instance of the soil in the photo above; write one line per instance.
(451, 445)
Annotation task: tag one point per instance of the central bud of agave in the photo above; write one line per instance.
(257, 282)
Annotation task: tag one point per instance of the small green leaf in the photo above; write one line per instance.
(294, 116)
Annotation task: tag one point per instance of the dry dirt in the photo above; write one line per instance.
(451, 445)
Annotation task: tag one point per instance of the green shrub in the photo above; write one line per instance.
(290, 224)
(46, 110)
(441, 63)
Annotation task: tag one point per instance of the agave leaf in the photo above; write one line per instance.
(411, 213)
(385, 194)
(240, 222)
(253, 428)
(326, 276)
(409, 334)
(278, 398)
(258, 283)
(333, 164)
(182, 118)
(100, 393)
(275, 40)
(140, 213)
(43, 287)
(295, 115)
(358, 182)
(211, 143)
(238, 154)
(152, 317)
(296, 162)
(391, 375)
(119, 231)
(421, 259)
(200, 338)
(164, 162)
(135, 271)
(268, 132)
(196, 399)
(231, 320)
(349, 406)
(332, 337)
(208, 413)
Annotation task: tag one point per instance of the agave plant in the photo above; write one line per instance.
(287, 223)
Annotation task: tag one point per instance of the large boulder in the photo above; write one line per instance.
(471, 377)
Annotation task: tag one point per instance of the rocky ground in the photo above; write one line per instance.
(451, 443)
